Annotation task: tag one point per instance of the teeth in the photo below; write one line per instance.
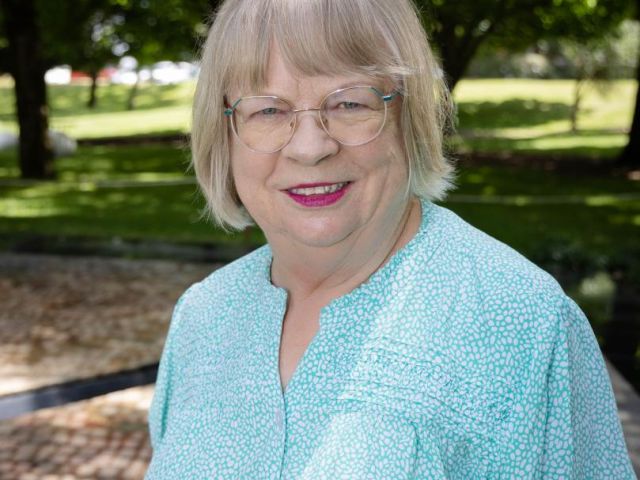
(318, 190)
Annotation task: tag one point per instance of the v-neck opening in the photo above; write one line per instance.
(301, 361)
(425, 207)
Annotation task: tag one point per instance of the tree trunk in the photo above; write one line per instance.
(630, 156)
(133, 92)
(455, 56)
(577, 98)
(36, 156)
(92, 92)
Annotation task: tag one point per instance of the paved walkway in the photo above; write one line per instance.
(102, 438)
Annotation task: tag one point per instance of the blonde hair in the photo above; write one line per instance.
(379, 38)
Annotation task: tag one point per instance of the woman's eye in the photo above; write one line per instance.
(349, 105)
(267, 113)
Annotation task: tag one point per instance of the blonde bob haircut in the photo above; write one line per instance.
(383, 39)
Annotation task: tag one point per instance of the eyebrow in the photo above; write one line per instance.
(357, 83)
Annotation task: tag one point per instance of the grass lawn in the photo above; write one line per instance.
(86, 201)
(158, 109)
(501, 115)
(532, 116)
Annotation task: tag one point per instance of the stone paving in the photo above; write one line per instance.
(102, 438)
(66, 318)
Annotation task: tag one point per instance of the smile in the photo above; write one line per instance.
(319, 195)
(319, 190)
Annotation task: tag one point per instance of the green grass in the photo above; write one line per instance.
(80, 204)
(533, 116)
(158, 109)
(495, 115)
(142, 163)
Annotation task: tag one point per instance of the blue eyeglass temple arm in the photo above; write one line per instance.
(229, 110)
(385, 98)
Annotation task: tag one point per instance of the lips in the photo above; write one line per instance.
(318, 194)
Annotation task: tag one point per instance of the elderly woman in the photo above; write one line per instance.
(377, 335)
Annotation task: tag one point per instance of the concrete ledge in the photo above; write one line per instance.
(629, 412)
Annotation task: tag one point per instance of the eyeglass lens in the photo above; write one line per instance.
(352, 116)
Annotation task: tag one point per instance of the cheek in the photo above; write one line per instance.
(250, 173)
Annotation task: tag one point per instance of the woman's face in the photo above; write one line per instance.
(372, 202)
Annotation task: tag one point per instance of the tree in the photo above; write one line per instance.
(155, 30)
(81, 35)
(593, 63)
(458, 29)
(26, 66)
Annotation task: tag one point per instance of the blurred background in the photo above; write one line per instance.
(100, 219)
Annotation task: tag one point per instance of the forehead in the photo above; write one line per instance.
(283, 80)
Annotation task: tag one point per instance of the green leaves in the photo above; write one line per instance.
(459, 28)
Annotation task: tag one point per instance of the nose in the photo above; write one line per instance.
(310, 144)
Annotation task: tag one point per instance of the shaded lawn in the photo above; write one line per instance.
(80, 206)
(168, 213)
(535, 229)
(490, 181)
(593, 144)
(95, 163)
(171, 213)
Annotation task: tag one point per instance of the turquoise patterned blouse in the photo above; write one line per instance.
(458, 359)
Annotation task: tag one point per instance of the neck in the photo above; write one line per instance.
(323, 274)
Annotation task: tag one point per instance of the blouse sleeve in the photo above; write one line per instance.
(162, 392)
(583, 436)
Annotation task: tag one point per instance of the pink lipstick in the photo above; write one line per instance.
(318, 194)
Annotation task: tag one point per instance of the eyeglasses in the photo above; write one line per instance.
(351, 116)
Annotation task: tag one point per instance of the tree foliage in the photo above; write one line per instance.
(459, 28)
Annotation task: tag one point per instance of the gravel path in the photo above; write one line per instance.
(66, 318)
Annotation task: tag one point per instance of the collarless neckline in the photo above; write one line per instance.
(426, 208)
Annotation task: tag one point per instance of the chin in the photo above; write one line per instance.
(319, 234)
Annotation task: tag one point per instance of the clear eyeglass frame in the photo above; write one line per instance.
(229, 112)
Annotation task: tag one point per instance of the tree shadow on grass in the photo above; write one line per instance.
(107, 162)
(589, 143)
(519, 112)
(164, 213)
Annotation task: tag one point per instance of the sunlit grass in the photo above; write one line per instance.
(158, 109)
(138, 122)
(533, 116)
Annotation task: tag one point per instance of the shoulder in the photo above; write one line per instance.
(222, 292)
(490, 265)
(230, 279)
(491, 302)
